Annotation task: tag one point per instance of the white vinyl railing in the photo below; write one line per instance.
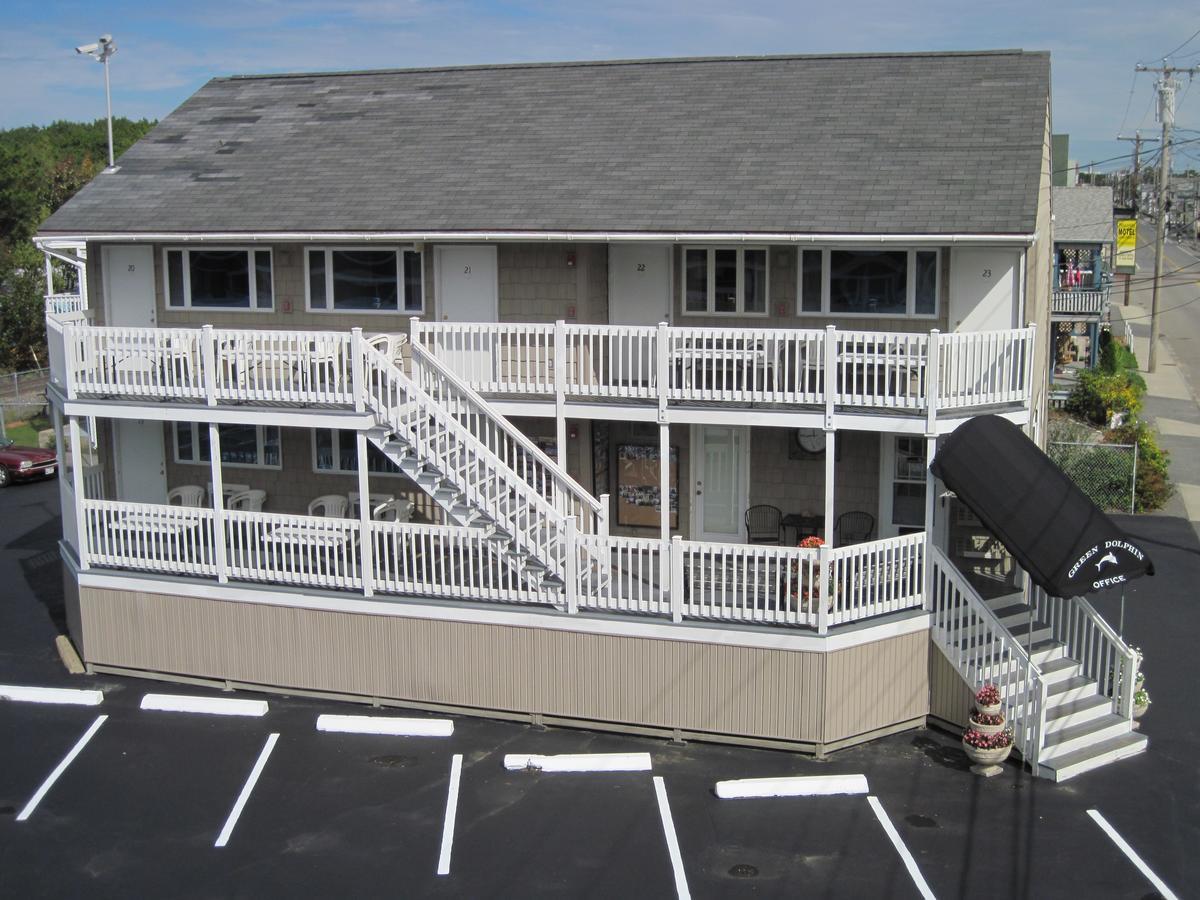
(604, 573)
(509, 444)
(882, 370)
(68, 306)
(1079, 303)
(1105, 658)
(983, 652)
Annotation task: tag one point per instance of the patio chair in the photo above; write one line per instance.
(854, 527)
(333, 506)
(186, 495)
(373, 500)
(390, 345)
(393, 511)
(228, 490)
(247, 501)
(764, 524)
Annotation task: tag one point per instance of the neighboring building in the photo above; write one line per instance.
(1083, 253)
(786, 275)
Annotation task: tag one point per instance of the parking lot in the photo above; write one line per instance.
(139, 809)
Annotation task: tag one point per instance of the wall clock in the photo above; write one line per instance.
(810, 440)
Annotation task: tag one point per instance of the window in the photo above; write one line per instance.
(219, 278)
(725, 281)
(364, 280)
(876, 282)
(908, 483)
(335, 451)
(241, 445)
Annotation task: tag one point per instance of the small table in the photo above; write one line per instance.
(805, 526)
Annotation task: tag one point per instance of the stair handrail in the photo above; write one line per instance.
(379, 366)
(590, 512)
(1103, 655)
(977, 663)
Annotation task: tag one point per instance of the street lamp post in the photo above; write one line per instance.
(101, 51)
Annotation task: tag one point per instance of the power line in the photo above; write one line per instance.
(1184, 44)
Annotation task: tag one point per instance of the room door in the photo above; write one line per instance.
(129, 285)
(720, 463)
(639, 293)
(466, 285)
(141, 462)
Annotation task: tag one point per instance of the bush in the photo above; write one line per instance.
(1097, 396)
(1153, 486)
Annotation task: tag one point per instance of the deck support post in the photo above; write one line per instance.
(208, 364)
(676, 583)
(830, 468)
(365, 547)
(664, 482)
(218, 502)
(824, 588)
(571, 564)
(932, 380)
(662, 368)
(560, 392)
(77, 489)
(830, 373)
(930, 512)
(357, 383)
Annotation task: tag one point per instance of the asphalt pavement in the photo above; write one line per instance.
(138, 810)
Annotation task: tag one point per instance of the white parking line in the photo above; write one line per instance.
(223, 837)
(909, 862)
(389, 725)
(72, 696)
(1167, 893)
(451, 814)
(62, 767)
(213, 706)
(580, 762)
(806, 786)
(668, 823)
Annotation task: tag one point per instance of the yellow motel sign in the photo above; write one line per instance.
(1126, 261)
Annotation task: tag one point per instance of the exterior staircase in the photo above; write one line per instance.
(478, 468)
(1067, 681)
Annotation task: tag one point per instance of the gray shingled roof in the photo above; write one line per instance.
(904, 144)
(1082, 214)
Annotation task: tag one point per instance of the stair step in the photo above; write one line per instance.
(1013, 599)
(1084, 734)
(1071, 764)
(1045, 650)
(1064, 715)
(1039, 634)
(1069, 689)
(1059, 669)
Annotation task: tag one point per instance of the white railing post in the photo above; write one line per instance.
(1027, 374)
(81, 524)
(357, 386)
(218, 502)
(208, 362)
(825, 574)
(71, 356)
(662, 369)
(366, 549)
(571, 567)
(414, 329)
(830, 373)
(676, 582)
(602, 516)
(933, 378)
(560, 391)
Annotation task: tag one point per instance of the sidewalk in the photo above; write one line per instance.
(1171, 407)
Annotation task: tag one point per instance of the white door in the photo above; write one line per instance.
(984, 293)
(466, 286)
(720, 461)
(141, 467)
(128, 285)
(639, 293)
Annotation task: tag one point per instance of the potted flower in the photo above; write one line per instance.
(1141, 702)
(987, 751)
(804, 590)
(987, 700)
(986, 723)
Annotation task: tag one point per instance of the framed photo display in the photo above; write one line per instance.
(638, 486)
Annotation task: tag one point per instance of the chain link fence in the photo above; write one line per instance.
(1106, 473)
(21, 395)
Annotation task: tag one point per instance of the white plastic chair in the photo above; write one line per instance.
(186, 495)
(247, 501)
(228, 490)
(332, 506)
(390, 345)
(393, 511)
(373, 500)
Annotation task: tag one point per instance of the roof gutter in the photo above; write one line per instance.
(658, 237)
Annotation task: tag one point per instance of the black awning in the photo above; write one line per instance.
(1060, 537)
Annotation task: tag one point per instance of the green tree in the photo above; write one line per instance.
(22, 321)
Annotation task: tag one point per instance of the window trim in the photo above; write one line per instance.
(741, 278)
(910, 283)
(398, 249)
(249, 250)
(337, 470)
(260, 435)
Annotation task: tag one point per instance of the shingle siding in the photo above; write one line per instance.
(922, 143)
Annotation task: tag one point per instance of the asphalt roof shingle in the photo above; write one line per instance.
(1083, 214)
(920, 143)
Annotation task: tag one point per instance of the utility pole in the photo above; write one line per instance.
(1167, 86)
(1137, 162)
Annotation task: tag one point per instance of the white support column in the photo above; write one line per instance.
(933, 380)
(830, 372)
(77, 485)
(824, 586)
(830, 453)
(662, 363)
(571, 567)
(664, 481)
(365, 545)
(676, 584)
(208, 362)
(218, 501)
(49, 274)
(560, 392)
(930, 512)
(357, 384)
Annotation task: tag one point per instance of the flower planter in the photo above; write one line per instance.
(987, 762)
(984, 728)
(1139, 709)
(989, 709)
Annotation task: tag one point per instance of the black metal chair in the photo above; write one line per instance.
(764, 524)
(854, 528)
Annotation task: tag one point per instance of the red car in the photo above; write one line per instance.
(25, 463)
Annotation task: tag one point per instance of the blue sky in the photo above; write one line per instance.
(167, 50)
